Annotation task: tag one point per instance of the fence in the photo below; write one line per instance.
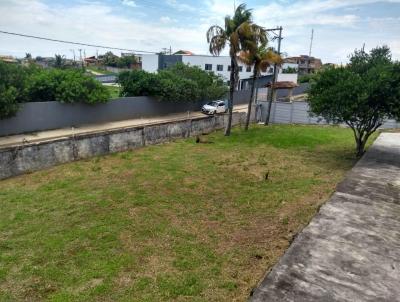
(106, 78)
(298, 113)
(40, 116)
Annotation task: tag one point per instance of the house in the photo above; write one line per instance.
(92, 61)
(8, 59)
(220, 65)
(306, 64)
(263, 80)
(184, 53)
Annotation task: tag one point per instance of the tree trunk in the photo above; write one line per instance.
(360, 146)
(230, 100)
(246, 127)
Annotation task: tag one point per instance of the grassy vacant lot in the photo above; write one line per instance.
(180, 221)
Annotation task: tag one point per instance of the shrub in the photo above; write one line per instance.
(177, 88)
(13, 80)
(8, 102)
(20, 84)
(210, 85)
(180, 83)
(66, 86)
(138, 83)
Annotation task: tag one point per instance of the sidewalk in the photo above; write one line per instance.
(351, 250)
(16, 140)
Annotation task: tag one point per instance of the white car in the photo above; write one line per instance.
(214, 107)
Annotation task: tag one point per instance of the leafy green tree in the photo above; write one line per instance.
(307, 78)
(238, 33)
(138, 83)
(211, 86)
(13, 79)
(126, 61)
(261, 58)
(8, 102)
(177, 88)
(180, 83)
(65, 86)
(19, 84)
(362, 94)
(110, 59)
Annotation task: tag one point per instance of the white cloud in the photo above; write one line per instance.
(92, 23)
(129, 3)
(180, 6)
(337, 32)
(167, 20)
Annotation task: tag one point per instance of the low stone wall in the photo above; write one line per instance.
(37, 156)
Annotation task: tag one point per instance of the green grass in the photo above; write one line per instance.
(99, 70)
(114, 91)
(174, 222)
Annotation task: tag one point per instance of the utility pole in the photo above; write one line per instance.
(80, 56)
(309, 53)
(73, 53)
(272, 92)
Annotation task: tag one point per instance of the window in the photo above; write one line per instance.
(229, 67)
(271, 70)
(208, 67)
(248, 69)
(240, 68)
(220, 67)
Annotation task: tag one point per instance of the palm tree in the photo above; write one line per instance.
(261, 58)
(59, 61)
(238, 33)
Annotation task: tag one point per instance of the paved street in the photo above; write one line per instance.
(351, 250)
(16, 140)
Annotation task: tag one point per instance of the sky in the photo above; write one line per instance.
(340, 26)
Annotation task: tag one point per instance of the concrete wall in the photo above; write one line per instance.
(42, 116)
(149, 62)
(291, 77)
(37, 156)
(298, 113)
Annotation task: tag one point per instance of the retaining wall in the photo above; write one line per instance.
(37, 156)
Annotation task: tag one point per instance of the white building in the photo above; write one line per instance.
(218, 64)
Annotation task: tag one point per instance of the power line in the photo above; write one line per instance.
(75, 43)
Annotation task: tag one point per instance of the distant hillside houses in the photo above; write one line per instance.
(306, 64)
